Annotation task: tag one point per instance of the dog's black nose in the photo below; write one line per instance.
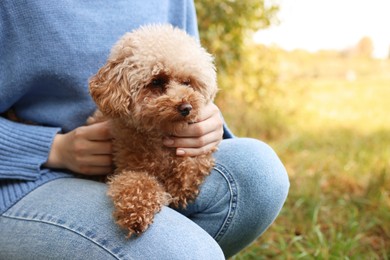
(185, 109)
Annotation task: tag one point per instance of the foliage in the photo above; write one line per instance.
(224, 25)
(247, 96)
(246, 72)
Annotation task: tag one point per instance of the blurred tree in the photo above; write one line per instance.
(247, 72)
(365, 47)
(388, 55)
(224, 25)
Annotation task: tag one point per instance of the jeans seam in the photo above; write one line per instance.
(5, 215)
(232, 203)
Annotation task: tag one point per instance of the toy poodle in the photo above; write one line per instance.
(154, 83)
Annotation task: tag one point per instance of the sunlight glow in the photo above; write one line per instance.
(330, 24)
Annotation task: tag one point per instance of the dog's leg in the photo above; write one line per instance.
(186, 179)
(137, 198)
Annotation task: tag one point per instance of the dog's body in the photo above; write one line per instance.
(155, 83)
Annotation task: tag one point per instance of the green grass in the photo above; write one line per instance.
(333, 136)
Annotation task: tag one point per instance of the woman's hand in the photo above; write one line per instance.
(85, 150)
(200, 137)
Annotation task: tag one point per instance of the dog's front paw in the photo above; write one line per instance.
(137, 198)
(135, 219)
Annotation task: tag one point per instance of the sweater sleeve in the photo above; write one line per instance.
(24, 149)
(191, 20)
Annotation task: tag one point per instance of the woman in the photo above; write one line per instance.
(50, 206)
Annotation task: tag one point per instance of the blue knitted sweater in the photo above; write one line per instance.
(48, 50)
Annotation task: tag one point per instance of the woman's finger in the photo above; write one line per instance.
(100, 147)
(95, 160)
(196, 151)
(211, 124)
(194, 142)
(96, 132)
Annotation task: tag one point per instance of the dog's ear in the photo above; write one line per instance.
(108, 89)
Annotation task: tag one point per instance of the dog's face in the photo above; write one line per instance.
(156, 78)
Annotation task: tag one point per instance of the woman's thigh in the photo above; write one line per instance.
(71, 219)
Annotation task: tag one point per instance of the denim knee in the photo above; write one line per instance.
(261, 184)
(259, 173)
(255, 167)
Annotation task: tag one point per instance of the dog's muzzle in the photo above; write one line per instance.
(185, 109)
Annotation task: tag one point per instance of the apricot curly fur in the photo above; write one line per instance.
(151, 77)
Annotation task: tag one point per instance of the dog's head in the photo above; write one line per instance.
(155, 76)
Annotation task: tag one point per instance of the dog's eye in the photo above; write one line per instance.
(187, 82)
(159, 82)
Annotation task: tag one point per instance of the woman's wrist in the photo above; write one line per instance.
(54, 158)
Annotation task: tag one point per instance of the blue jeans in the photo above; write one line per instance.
(71, 218)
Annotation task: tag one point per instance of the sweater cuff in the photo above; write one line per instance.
(24, 149)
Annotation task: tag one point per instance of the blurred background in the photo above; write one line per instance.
(312, 79)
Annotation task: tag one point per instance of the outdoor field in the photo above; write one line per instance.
(325, 112)
(329, 122)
